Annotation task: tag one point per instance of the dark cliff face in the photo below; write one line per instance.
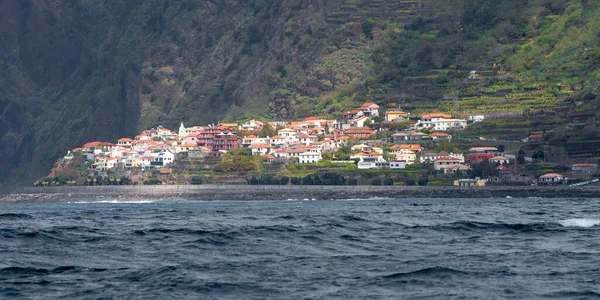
(50, 95)
(82, 70)
(77, 71)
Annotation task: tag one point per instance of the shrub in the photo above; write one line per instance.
(196, 180)
(284, 180)
(307, 180)
(423, 181)
(153, 181)
(296, 180)
(388, 181)
(376, 181)
(410, 181)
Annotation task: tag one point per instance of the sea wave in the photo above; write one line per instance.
(433, 271)
(585, 223)
(114, 201)
(474, 225)
(12, 216)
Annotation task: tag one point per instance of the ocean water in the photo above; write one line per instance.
(354, 249)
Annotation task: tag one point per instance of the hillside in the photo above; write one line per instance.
(86, 70)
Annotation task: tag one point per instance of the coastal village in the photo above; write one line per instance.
(364, 146)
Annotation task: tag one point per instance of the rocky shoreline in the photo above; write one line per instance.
(244, 192)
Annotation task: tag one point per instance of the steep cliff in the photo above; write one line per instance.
(82, 70)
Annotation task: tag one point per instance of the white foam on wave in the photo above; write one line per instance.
(585, 223)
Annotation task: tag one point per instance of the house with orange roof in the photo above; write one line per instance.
(359, 132)
(142, 137)
(124, 142)
(277, 141)
(260, 149)
(584, 168)
(370, 109)
(351, 114)
(551, 178)
(404, 153)
(184, 147)
(395, 115)
(440, 136)
(253, 139)
(281, 153)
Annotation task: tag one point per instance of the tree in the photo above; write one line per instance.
(283, 180)
(196, 180)
(318, 180)
(410, 181)
(332, 178)
(388, 181)
(307, 180)
(367, 28)
(352, 181)
(538, 154)
(423, 181)
(296, 181)
(376, 181)
(500, 148)
(521, 157)
(253, 180)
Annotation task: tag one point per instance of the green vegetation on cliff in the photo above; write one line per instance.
(85, 70)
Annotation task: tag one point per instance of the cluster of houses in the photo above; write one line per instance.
(303, 141)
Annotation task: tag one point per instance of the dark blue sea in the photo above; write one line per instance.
(354, 249)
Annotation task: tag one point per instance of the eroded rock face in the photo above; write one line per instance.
(52, 96)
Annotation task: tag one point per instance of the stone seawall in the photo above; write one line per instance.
(245, 192)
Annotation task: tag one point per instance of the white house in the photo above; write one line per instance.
(309, 157)
(289, 135)
(372, 162)
(359, 122)
(370, 109)
(440, 122)
(499, 160)
(165, 157)
(260, 149)
(397, 164)
(306, 139)
(551, 178)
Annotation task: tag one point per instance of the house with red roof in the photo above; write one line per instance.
(584, 168)
(359, 132)
(260, 149)
(370, 109)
